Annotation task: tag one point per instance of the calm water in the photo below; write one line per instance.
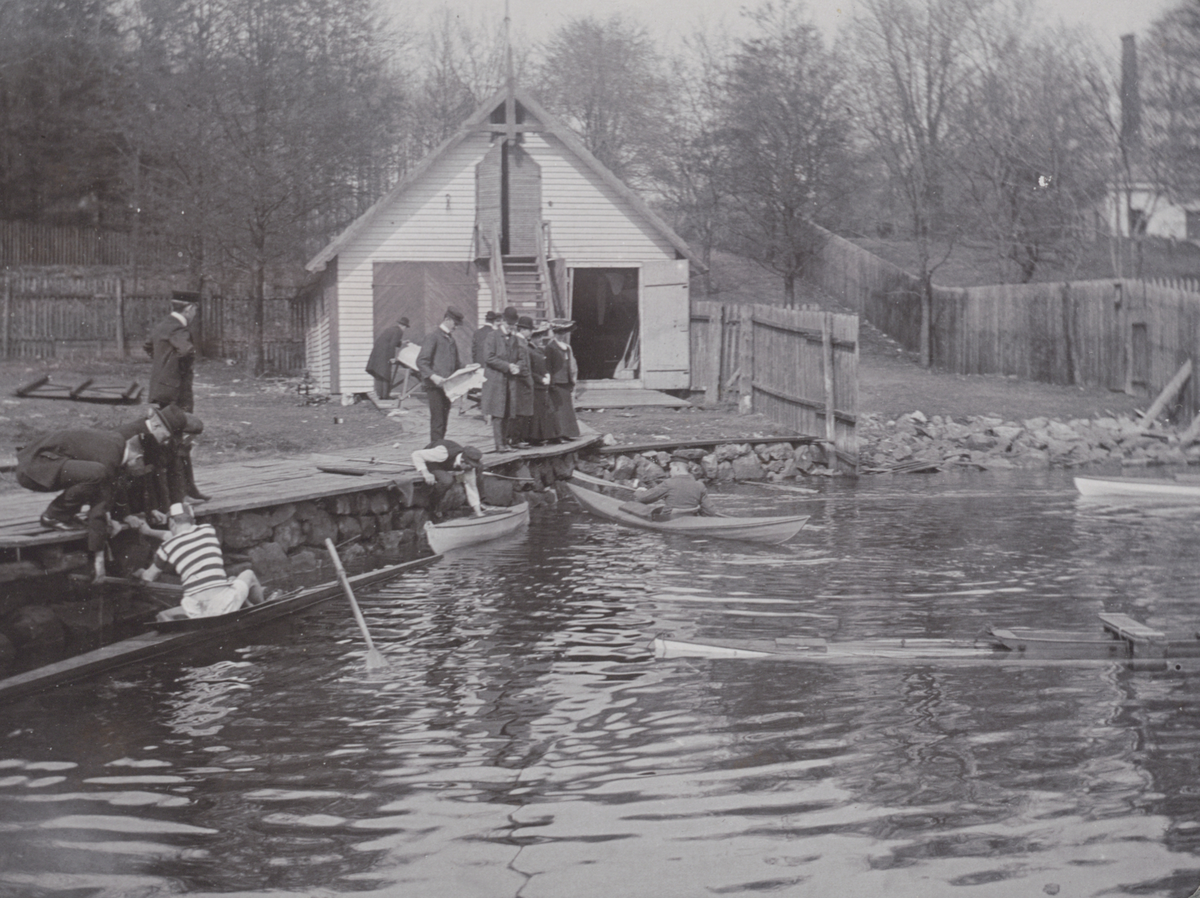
(523, 741)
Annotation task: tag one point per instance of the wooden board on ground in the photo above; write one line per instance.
(592, 397)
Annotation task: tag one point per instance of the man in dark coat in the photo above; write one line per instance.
(381, 363)
(173, 352)
(444, 463)
(87, 465)
(437, 361)
(479, 338)
(503, 357)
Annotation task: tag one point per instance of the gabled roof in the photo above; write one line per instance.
(472, 125)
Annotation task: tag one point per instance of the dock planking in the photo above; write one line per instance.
(265, 482)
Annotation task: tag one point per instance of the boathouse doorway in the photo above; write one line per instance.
(632, 324)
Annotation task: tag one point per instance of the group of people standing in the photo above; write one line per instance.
(529, 379)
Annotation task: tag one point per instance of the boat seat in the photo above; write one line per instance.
(1126, 627)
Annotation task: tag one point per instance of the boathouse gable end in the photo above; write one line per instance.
(536, 210)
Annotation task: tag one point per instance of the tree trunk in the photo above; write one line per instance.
(926, 321)
(257, 289)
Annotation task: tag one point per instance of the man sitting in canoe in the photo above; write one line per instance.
(444, 463)
(194, 552)
(679, 494)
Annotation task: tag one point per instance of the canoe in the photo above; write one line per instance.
(459, 532)
(166, 638)
(772, 530)
(1120, 639)
(1134, 487)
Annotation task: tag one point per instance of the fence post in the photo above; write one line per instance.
(6, 311)
(121, 317)
(827, 365)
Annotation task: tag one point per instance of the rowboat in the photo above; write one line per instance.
(168, 637)
(1121, 639)
(774, 530)
(459, 532)
(1181, 490)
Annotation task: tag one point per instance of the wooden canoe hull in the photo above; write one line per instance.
(468, 531)
(170, 639)
(773, 530)
(1138, 487)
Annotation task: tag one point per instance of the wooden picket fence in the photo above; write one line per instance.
(62, 316)
(799, 367)
(1128, 335)
(24, 243)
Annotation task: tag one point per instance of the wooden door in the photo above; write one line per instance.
(524, 202)
(665, 317)
(487, 200)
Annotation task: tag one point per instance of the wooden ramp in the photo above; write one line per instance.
(593, 397)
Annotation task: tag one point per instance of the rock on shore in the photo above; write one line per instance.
(988, 442)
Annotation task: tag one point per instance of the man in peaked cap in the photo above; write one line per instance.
(173, 354)
(444, 463)
(679, 494)
(437, 361)
(86, 467)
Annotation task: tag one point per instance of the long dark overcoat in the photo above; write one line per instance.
(506, 395)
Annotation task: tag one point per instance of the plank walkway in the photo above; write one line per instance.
(261, 483)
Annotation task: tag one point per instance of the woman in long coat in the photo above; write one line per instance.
(560, 360)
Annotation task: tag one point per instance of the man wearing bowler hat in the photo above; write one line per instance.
(437, 361)
(479, 338)
(86, 467)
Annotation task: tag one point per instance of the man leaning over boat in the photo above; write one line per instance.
(679, 494)
(444, 463)
(194, 552)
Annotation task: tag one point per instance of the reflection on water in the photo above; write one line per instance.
(523, 740)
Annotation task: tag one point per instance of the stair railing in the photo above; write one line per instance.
(543, 239)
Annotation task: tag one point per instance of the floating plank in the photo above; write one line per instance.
(1127, 628)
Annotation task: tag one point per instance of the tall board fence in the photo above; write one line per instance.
(1123, 334)
(25, 243)
(799, 367)
(68, 317)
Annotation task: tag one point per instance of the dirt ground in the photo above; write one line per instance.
(247, 418)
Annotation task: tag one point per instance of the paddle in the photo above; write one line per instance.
(374, 658)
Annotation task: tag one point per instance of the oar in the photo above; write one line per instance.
(374, 658)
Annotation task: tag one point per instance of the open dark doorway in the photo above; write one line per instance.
(604, 304)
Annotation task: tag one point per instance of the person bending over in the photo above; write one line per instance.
(443, 463)
(194, 552)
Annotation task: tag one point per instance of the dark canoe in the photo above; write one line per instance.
(772, 530)
(162, 638)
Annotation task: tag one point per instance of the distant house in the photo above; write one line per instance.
(511, 210)
(1144, 209)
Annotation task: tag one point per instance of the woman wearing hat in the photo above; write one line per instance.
(520, 425)
(542, 424)
(564, 371)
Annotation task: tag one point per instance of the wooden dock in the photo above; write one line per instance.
(260, 483)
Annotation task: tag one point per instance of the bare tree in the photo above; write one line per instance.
(1171, 100)
(1035, 148)
(604, 79)
(911, 62)
(785, 131)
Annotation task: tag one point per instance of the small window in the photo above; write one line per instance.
(1193, 224)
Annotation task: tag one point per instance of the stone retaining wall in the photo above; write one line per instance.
(48, 614)
(726, 463)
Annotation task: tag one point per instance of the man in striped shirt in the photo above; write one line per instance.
(194, 552)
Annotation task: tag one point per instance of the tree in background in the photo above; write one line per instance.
(1170, 87)
(61, 90)
(604, 80)
(911, 63)
(1035, 153)
(785, 129)
(692, 174)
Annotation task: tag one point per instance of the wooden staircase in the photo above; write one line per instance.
(525, 287)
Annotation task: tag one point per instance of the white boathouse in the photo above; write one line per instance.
(510, 210)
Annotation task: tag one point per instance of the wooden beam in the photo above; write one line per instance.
(1169, 392)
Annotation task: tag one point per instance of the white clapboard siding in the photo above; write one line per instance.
(431, 221)
(590, 222)
(316, 353)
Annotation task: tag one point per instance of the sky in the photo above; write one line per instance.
(668, 20)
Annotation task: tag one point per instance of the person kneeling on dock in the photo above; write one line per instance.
(194, 552)
(679, 494)
(444, 463)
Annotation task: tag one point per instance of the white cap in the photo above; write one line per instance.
(176, 510)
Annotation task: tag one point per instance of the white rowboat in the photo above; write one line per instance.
(461, 532)
(1134, 487)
